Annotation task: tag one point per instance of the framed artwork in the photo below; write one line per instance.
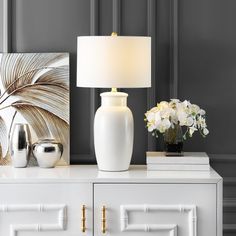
(34, 89)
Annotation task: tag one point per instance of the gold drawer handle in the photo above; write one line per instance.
(103, 219)
(83, 219)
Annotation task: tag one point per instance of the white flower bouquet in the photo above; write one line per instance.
(168, 115)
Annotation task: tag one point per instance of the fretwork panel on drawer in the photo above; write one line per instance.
(156, 209)
(44, 209)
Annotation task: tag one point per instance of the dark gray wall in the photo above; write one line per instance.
(1, 25)
(207, 75)
(193, 57)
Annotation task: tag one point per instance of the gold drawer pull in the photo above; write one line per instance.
(103, 219)
(83, 219)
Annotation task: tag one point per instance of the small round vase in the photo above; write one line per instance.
(47, 152)
(173, 141)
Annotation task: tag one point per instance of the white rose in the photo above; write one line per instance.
(151, 127)
(163, 125)
(180, 106)
(182, 117)
(194, 108)
(166, 113)
(205, 131)
(174, 118)
(154, 109)
(163, 105)
(157, 116)
(202, 112)
(189, 121)
(186, 103)
(192, 130)
(201, 122)
(175, 100)
(150, 116)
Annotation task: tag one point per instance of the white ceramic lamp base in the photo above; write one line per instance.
(113, 132)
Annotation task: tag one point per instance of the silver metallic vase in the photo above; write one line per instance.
(47, 152)
(20, 145)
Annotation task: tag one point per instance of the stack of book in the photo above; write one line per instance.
(191, 161)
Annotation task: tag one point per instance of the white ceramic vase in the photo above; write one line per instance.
(113, 132)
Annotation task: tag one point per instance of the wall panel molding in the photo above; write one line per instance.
(7, 5)
(93, 17)
(93, 93)
(174, 51)
(230, 181)
(151, 31)
(225, 158)
(229, 204)
(94, 23)
(229, 228)
(116, 16)
(151, 92)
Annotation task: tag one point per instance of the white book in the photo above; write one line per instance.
(175, 167)
(187, 158)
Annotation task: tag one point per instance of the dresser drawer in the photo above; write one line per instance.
(44, 209)
(156, 209)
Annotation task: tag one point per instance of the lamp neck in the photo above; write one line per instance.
(114, 99)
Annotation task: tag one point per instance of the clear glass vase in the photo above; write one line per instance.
(173, 141)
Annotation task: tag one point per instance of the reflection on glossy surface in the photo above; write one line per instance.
(109, 174)
(90, 173)
(20, 145)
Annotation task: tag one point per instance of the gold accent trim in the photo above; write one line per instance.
(114, 34)
(83, 219)
(114, 90)
(103, 219)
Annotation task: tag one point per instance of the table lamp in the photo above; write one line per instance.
(113, 62)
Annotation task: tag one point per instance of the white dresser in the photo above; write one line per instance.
(60, 201)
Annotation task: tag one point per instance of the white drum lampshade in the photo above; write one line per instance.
(113, 62)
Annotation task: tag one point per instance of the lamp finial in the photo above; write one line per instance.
(114, 34)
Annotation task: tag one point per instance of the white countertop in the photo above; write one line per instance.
(90, 174)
